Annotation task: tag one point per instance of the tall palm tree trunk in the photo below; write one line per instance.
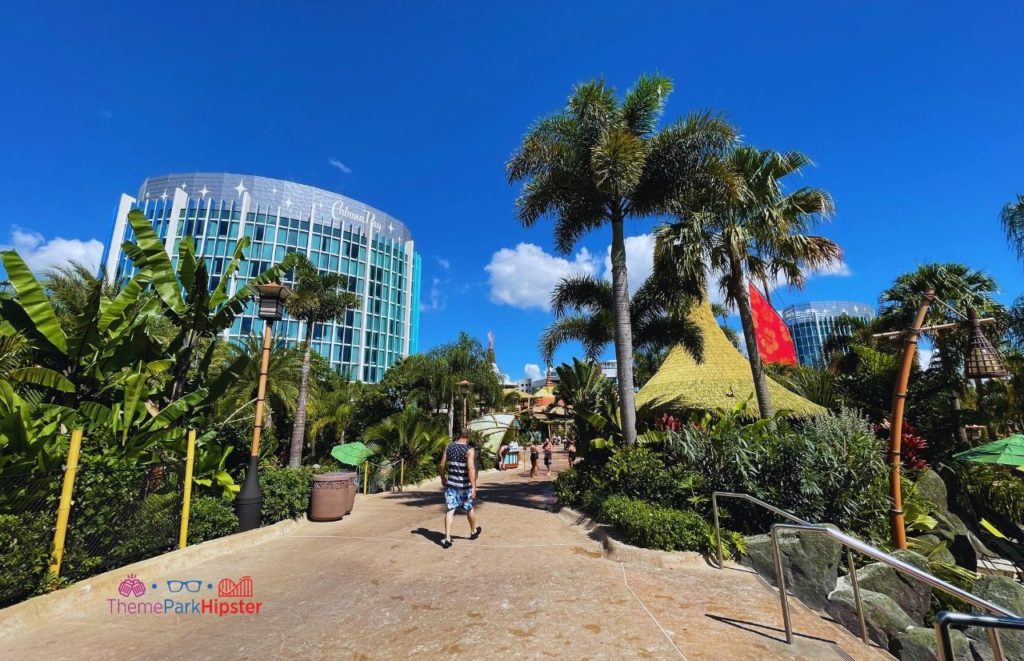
(764, 400)
(623, 333)
(299, 428)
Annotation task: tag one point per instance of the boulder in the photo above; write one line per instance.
(883, 616)
(1009, 594)
(810, 564)
(919, 644)
(913, 596)
(930, 487)
(942, 555)
(952, 530)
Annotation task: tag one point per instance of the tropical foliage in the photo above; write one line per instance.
(754, 230)
(603, 160)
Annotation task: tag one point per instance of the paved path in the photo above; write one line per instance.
(378, 585)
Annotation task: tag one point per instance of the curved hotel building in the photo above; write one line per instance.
(812, 323)
(338, 234)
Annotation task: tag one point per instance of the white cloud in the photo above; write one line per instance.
(524, 277)
(333, 162)
(639, 260)
(443, 263)
(437, 300)
(41, 254)
(531, 371)
(924, 357)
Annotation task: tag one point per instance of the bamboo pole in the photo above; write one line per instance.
(366, 476)
(64, 509)
(401, 475)
(897, 530)
(186, 501)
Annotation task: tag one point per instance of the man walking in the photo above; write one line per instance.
(458, 476)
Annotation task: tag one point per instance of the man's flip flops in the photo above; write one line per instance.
(446, 544)
(476, 533)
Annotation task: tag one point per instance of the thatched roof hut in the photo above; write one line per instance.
(720, 381)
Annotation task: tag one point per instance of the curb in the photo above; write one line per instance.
(619, 551)
(52, 606)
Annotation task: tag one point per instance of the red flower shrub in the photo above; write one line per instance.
(912, 445)
(667, 423)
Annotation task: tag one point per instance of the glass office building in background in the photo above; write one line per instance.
(812, 323)
(338, 234)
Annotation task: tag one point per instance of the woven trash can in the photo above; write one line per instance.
(332, 497)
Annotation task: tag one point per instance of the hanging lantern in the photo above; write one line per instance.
(982, 359)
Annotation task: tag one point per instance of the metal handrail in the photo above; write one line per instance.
(854, 544)
(946, 619)
(742, 496)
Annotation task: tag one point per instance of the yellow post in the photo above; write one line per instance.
(401, 476)
(366, 476)
(64, 509)
(186, 501)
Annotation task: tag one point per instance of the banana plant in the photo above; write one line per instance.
(197, 311)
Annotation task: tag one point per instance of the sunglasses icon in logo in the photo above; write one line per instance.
(190, 586)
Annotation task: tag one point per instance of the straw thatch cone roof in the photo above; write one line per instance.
(721, 381)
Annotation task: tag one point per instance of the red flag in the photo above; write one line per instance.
(773, 338)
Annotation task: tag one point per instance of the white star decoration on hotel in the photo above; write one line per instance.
(205, 191)
(164, 196)
(240, 188)
(288, 203)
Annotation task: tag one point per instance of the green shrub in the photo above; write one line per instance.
(650, 526)
(211, 517)
(24, 554)
(151, 529)
(285, 492)
(639, 473)
(828, 470)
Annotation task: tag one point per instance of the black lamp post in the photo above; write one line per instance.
(249, 502)
(464, 387)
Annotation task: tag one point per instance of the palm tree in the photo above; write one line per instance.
(583, 307)
(331, 412)
(603, 160)
(1012, 217)
(758, 233)
(721, 312)
(410, 436)
(283, 375)
(317, 298)
(463, 360)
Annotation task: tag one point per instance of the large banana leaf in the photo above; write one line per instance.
(236, 304)
(33, 301)
(187, 262)
(149, 253)
(127, 297)
(219, 295)
(42, 376)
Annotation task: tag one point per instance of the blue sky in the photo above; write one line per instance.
(913, 111)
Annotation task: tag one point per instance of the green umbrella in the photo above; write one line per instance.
(1008, 452)
(353, 454)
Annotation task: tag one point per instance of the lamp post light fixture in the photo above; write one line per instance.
(982, 362)
(464, 387)
(249, 502)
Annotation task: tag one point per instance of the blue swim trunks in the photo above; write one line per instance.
(455, 498)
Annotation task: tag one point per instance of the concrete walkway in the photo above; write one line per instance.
(378, 585)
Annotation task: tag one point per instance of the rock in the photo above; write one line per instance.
(810, 564)
(952, 530)
(930, 487)
(913, 596)
(1008, 593)
(883, 616)
(919, 644)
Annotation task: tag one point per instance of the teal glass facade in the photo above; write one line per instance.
(339, 235)
(810, 324)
